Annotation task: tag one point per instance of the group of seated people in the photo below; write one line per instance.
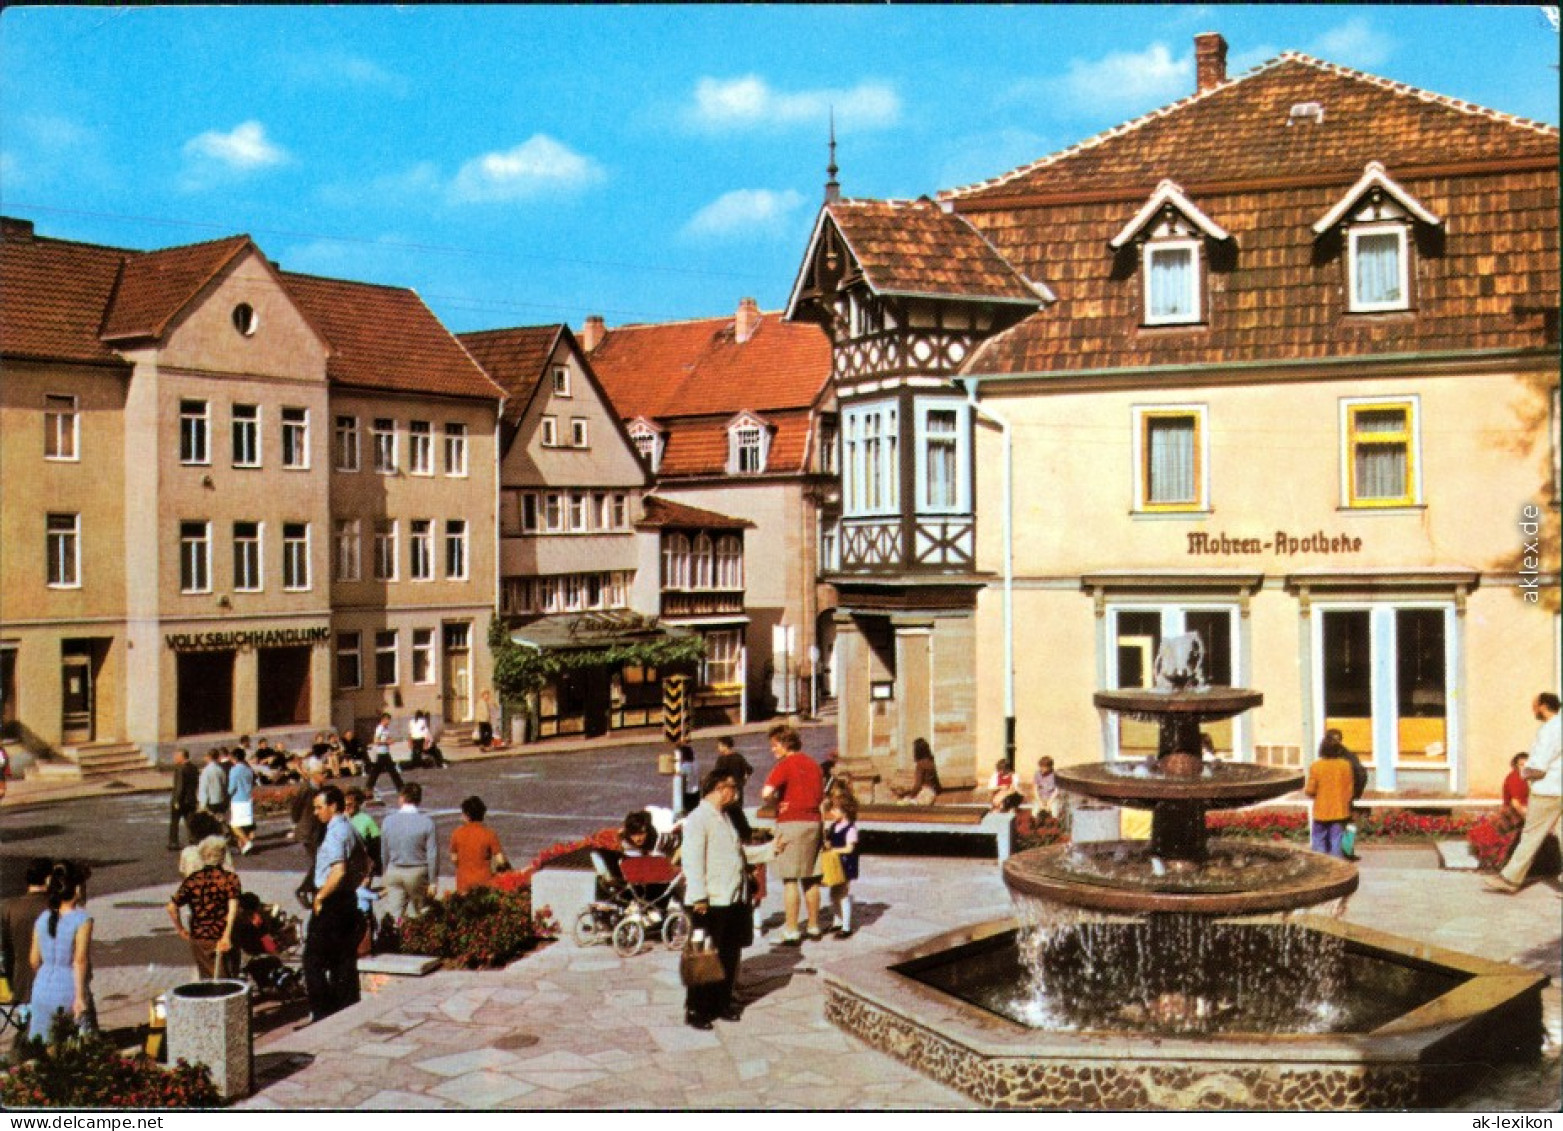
(333, 755)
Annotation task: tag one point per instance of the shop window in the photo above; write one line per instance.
(724, 655)
(1380, 454)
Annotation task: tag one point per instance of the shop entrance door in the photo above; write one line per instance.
(282, 687)
(205, 693)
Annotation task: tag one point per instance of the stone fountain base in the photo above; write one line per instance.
(1419, 1059)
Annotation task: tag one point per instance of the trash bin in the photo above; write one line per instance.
(209, 1023)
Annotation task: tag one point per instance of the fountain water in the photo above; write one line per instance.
(1175, 972)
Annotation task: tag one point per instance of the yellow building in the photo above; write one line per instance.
(174, 499)
(1277, 364)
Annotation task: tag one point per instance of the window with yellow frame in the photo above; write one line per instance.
(1381, 454)
(1171, 459)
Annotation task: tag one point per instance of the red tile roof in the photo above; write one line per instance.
(916, 248)
(53, 295)
(691, 378)
(660, 512)
(386, 338)
(515, 359)
(156, 285)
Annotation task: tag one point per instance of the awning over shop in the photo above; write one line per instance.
(579, 632)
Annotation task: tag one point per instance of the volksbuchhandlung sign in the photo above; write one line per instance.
(242, 639)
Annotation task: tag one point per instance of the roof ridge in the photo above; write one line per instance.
(244, 236)
(1421, 93)
(306, 275)
(497, 330)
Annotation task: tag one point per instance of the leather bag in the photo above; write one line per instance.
(700, 965)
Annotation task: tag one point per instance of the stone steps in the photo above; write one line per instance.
(90, 760)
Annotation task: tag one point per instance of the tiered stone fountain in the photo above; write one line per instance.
(1174, 973)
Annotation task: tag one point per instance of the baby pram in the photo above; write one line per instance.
(642, 898)
(267, 939)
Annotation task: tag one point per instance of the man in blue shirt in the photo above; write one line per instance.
(331, 946)
(241, 800)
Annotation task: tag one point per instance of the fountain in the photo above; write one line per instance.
(1176, 973)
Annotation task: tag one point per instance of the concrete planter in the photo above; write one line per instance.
(209, 1023)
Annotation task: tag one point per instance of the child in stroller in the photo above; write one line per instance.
(642, 890)
(268, 939)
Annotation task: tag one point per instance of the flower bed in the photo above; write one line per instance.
(483, 927)
(522, 880)
(86, 1071)
(1384, 825)
(276, 800)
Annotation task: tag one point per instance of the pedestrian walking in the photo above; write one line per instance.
(412, 856)
(212, 895)
(183, 798)
(1330, 786)
(212, 789)
(381, 761)
(241, 801)
(1544, 771)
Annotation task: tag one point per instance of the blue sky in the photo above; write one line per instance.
(522, 165)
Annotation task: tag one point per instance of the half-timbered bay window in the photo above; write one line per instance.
(1170, 459)
(1380, 453)
(943, 482)
(871, 473)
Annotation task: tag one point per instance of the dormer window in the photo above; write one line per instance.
(649, 442)
(748, 443)
(1377, 216)
(1171, 232)
(1171, 282)
(1377, 264)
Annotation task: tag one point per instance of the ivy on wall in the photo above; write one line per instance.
(521, 671)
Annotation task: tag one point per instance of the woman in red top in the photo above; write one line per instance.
(475, 848)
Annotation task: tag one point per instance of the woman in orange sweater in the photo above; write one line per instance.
(1330, 785)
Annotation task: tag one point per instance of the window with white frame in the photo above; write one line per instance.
(61, 427)
(62, 550)
(295, 438)
(553, 512)
(385, 658)
(423, 655)
(246, 435)
(1171, 272)
(579, 522)
(746, 449)
(247, 557)
(550, 432)
(561, 375)
(420, 447)
(385, 549)
(675, 562)
(578, 433)
(515, 595)
(943, 479)
(829, 443)
(195, 432)
(602, 513)
(349, 661)
(871, 472)
(347, 443)
(829, 547)
(702, 562)
(1379, 456)
(724, 655)
(1377, 264)
(195, 557)
(574, 593)
(420, 550)
(456, 549)
(549, 591)
(295, 556)
(347, 556)
(621, 512)
(456, 449)
(729, 562)
(1170, 458)
(529, 513)
(382, 435)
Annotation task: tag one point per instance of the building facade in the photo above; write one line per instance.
(1287, 378)
(737, 417)
(168, 499)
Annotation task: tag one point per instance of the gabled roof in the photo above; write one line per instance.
(385, 338)
(1242, 130)
(53, 294)
(516, 360)
(1168, 195)
(155, 286)
(1374, 178)
(917, 249)
(660, 513)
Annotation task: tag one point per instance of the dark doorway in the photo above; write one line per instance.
(282, 687)
(596, 701)
(205, 692)
(10, 716)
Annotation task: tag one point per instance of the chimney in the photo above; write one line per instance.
(1210, 60)
(16, 230)
(592, 333)
(747, 321)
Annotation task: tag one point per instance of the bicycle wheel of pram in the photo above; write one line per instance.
(628, 937)
(675, 929)
(588, 931)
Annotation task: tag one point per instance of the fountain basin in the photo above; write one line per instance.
(1211, 702)
(1431, 1047)
(1140, 785)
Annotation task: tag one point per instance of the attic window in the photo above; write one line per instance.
(746, 444)
(649, 443)
(1377, 263)
(1171, 282)
(245, 320)
(1304, 112)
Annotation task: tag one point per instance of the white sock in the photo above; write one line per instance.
(844, 913)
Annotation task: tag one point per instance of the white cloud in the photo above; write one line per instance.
(242, 149)
(745, 212)
(538, 165)
(1354, 43)
(1127, 79)
(750, 101)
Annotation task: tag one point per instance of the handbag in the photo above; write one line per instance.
(831, 870)
(700, 964)
(666, 765)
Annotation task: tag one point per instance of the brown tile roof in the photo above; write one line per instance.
(916, 248)
(660, 512)
(53, 294)
(691, 378)
(515, 359)
(1239, 131)
(386, 338)
(156, 285)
